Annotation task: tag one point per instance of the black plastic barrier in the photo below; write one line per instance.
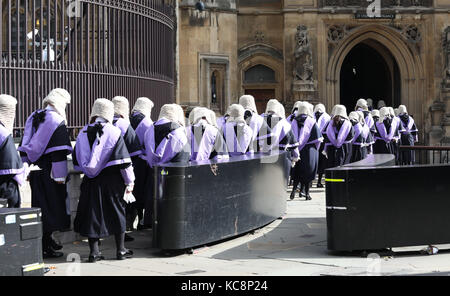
(21, 242)
(383, 206)
(205, 202)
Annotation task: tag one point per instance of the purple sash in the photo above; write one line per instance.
(142, 128)
(358, 128)
(34, 143)
(278, 132)
(122, 124)
(387, 137)
(4, 134)
(408, 128)
(170, 146)
(255, 124)
(202, 150)
(91, 161)
(323, 121)
(235, 145)
(302, 135)
(343, 133)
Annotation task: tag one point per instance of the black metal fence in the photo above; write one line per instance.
(92, 48)
(428, 154)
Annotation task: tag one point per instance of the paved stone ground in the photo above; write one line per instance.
(293, 246)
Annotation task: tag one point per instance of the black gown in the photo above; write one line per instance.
(338, 156)
(306, 169)
(47, 194)
(407, 139)
(9, 160)
(101, 208)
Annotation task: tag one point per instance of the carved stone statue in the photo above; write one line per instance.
(447, 52)
(303, 69)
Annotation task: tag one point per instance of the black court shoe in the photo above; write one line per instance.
(292, 195)
(308, 197)
(55, 246)
(50, 253)
(121, 255)
(128, 238)
(319, 185)
(95, 258)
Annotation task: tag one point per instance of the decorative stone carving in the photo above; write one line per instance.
(335, 33)
(303, 55)
(412, 34)
(303, 67)
(259, 36)
(446, 44)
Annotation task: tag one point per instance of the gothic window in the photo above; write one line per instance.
(259, 74)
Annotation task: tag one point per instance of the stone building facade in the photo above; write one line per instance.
(329, 51)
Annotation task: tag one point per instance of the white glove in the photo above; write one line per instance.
(128, 197)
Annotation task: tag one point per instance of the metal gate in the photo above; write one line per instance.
(92, 48)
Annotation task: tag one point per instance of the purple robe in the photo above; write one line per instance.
(142, 124)
(106, 151)
(278, 134)
(46, 143)
(383, 134)
(341, 138)
(237, 143)
(209, 141)
(10, 162)
(303, 134)
(35, 143)
(221, 122)
(322, 121)
(255, 124)
(173, 143)
(129, 136)
(12, 172)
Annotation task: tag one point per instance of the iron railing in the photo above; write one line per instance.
(428, 154)
(92, 48)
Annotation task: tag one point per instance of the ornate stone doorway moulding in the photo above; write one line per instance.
(412, 78)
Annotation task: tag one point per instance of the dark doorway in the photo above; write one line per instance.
(366, 73)
(261, 97)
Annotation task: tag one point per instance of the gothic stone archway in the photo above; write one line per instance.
(410, 66)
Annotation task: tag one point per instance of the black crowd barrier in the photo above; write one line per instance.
(21, 242)
(375, 205)
(209, 201)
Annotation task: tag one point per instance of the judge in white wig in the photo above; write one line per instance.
(237, 134)
(308, 136)
(12, 171)
(253, 119)
(322, 120)
(363, 106)
(359, 142)
(165, 141)
(140, 120)
(294, 111)
(101, 155)
(276, 133)
(205, 139)
(46, 143)
(338, 136)
(398, 129)
(381, 104)
(385, 133)
(409, 135)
